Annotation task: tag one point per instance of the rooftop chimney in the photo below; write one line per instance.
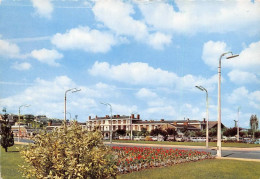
(89, 117)
(132, 116)
(138, 116)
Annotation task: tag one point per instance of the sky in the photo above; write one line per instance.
(141, 56)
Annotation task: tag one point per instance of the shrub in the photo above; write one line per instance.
(7, 137)
(68, 152)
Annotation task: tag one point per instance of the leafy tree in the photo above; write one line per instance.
(257, 134)
(253, 124)
(213, 132)
(155, 132)
(143, 132)
(7, 137)
(171, 131)
(68, 152)
(121, 132)
(231, 131)
(200, 133)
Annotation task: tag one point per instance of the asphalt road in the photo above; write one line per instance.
(235, 153)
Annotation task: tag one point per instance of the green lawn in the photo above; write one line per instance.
(9, 162)
(202, 169)
(212, 144)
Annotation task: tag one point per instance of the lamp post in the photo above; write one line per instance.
(25, 105)
(237, 124)
(73, 90)
(219, 102)
(110, 129)
(207, 114)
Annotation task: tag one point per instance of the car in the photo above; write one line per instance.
(179, 139)
(138, 138)
(257, 141)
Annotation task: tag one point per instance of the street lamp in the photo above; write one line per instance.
(73, 90)
(110, 129)
(68, 113)
(207, 114)
(237, 123)
(219, 102)
(25, 105)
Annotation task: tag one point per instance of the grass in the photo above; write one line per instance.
(212, 144)
(202, 169)
(9, 162)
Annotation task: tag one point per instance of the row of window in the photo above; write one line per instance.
(104, 121)
(135, 127)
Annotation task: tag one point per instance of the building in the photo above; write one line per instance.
(136, 124)
(118, 122)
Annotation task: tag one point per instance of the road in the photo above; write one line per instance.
(245, 153)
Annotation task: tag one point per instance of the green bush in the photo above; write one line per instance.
(68, 152)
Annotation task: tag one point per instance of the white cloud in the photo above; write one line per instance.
(159, 40)
(9, 50)
(47, 97)
(116, 15)
(133, 73)
(47, 56)
(249, 58)
(192, 17)
(83, 38)
(139, 73)
(243, 96)
(21, 66)
(242, 77)
(43, 7)
(212, 51)
(145, 93)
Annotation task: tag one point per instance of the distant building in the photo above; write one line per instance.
(134, 122)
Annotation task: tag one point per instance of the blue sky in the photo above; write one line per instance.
(140, 56)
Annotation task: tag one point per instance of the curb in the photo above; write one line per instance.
(240, 159)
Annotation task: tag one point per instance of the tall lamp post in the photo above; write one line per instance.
(25, 105)
(219, 102)
(110, 128)
(207, 114)
(237, 124)
(73, 90)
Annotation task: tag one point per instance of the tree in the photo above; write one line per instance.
(171, 131)
(68, 152)
(143, 132)
(231, 132)
(121, 132)
(253, 124)
(7, 136)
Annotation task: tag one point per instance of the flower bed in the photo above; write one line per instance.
(131, 159)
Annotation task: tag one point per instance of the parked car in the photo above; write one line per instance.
(154, 138)
(179, 139)
(247, 140)
(257, 141)
(138, 138)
